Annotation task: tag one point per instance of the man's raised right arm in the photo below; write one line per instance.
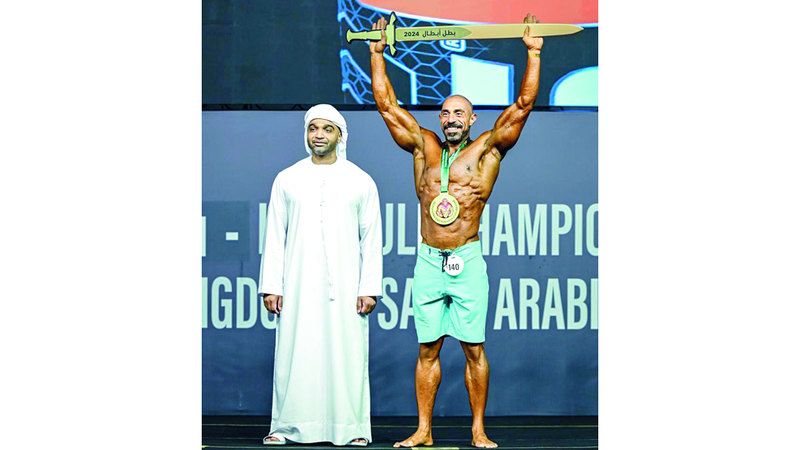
(404, 128)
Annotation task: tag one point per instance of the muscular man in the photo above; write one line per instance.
(321, 272)
(453, 179)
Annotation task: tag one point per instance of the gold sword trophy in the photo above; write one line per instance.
(456, 32)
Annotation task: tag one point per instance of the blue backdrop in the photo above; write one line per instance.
(539, 235)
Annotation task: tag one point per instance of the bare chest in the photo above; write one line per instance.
(463, 178)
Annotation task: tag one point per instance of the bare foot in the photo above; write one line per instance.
(418, 438)
(481, 441)
(274, 440)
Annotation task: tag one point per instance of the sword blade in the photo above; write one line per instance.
(493, 31)
(457, 32)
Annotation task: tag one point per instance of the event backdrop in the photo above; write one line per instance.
(539, 238)
(269, 53)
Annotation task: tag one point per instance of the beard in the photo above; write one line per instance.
(454, 137)
(322, 151)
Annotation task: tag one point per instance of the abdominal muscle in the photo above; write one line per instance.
(471, 198)
(471, 180)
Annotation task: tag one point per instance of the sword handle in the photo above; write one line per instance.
(375, 35)
(371, 35)
(390, 32)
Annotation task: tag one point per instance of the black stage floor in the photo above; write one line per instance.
(541, 432)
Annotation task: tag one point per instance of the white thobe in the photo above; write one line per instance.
(321, 251)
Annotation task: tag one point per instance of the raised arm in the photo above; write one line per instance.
(509, 125)
(403, 127)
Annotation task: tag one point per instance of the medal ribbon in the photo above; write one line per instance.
(446, 165)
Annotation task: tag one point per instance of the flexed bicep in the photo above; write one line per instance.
(508, 126)
(403, 127)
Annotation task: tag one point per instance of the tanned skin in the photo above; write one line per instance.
(472, 178)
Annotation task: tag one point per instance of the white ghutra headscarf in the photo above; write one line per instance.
(327, 112)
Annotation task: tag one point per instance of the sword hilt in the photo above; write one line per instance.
(375, 35)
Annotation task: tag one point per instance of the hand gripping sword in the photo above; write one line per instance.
(455, 32)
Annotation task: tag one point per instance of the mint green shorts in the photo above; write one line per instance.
(450, 305)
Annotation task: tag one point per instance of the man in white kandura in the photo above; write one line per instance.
(321, 273)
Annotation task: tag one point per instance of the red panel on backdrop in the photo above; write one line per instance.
(507, 11)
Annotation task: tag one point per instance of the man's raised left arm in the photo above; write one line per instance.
(508, 126)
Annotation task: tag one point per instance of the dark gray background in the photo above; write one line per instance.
(287, 52)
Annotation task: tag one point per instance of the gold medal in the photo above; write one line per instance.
(444, 209)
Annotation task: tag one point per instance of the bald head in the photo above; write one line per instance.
(456, 118)
(462, 100)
